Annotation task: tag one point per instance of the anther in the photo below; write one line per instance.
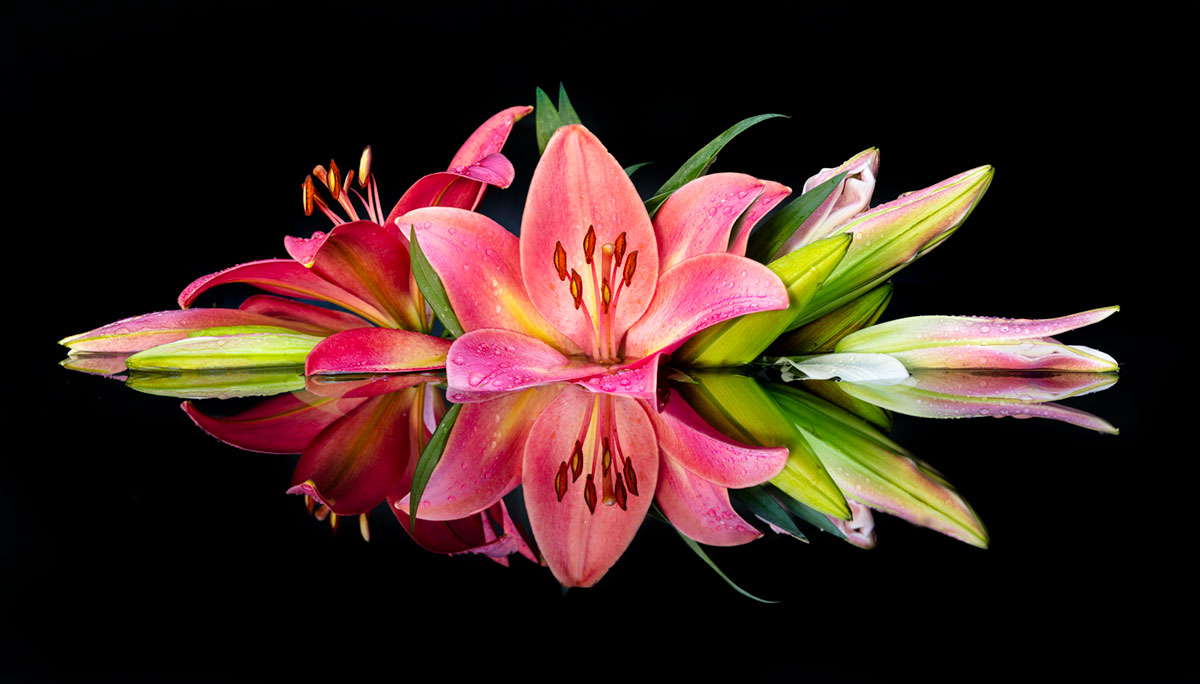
(606, 459)
(319, 172)
(335, 180)
(576, 288)
(308, 503)
(560, 260)
(309, 191)
(333, 521)
(622, 499)
(589, 244)
(577, 461)
(364, 167)
(365, 529)
(589, 494)
(630, 476)
(620, 249)
(630, 267)
(560, 481)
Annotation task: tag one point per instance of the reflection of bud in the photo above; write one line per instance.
(892, 235)
(851, 196)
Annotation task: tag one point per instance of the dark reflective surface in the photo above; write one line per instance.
(131, 544)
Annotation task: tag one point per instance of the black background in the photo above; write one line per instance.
(155, 143)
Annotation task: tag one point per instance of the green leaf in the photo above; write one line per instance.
(430, 456)
(805, 513)
(704, 557)
(432, 289)
(698, 164)
(634, 167)
(566, 113)
(767, 509)
(546, 119)
(776, 230)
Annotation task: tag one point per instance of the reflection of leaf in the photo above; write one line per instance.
(691, 543)
(430, 455)
(767, 509)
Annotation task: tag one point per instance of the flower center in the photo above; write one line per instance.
(606, 287)
(339, 191)
(598, 444)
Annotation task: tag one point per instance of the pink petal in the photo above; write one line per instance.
(578, 545)
(366, 260)
(772, 193)
(151, 330)
(377, 350)
(699, 508)
(472, 534)
(317, 317)
(851, 197)
(286, 277)
(1022, 356)
(482, 459)
(860, 528)
(479, 264)
(353, 464)
(906, 333)
(442, 189)
(697, 218)
(284, 424)
(699, 292)
(577, 185)
(489, 138)
(693, 444)
(495, 361)
(638, 379)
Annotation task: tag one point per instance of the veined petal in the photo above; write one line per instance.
(699, 508)
(699, 292)
(489, 138)
(377, 350)
(928, 331)
(579, 186)
(354, 463)
(771, 195)
(693, 444)
(579, 545)
(286, 277)
(151, 330)
(367, 260)
(283, 424)
(493, 361)
(446, 189)
(321, 320)
(697, 218)
(849, 198)
(482, 459)
(479, 263)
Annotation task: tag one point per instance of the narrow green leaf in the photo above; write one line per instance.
(546, 119)
(566, 113)
(430, 455)
(698, 164)
(766, 508)
(704, 557)
(634, 167)
(776, 230)
(805, 513)
(431, 287)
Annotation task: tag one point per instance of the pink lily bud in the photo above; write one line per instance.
(851, 197)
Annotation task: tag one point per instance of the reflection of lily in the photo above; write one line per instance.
(359, 442)
(591, 296)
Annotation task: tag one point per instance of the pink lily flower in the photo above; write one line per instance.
(565, 331)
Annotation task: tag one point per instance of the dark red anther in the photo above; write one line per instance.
(630, 267)
(577, 461)
(619, 493)
(309, 192)
(606, 459)
(560, 481)
(589, 494)
(560, 261)
(335, 180)
(589, 244)
(630, 476)
(576, 288)
(619, 252)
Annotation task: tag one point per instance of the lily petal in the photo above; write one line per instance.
(367, 260)
(771, 195)
(578, 185)
(699, 292)
(699, 508)
(283, 424)
(693, 444)
(579, 545)
(698, 218)
(485, 289)
(377, 350)
(489, 138)
(482, 459)
(354, 463)
(494, 361)
(318, 318)
(286, 277)
(150, 330)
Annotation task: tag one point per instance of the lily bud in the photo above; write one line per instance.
(223, 351)
(890, 236)
(851, 197)
(823, 334)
